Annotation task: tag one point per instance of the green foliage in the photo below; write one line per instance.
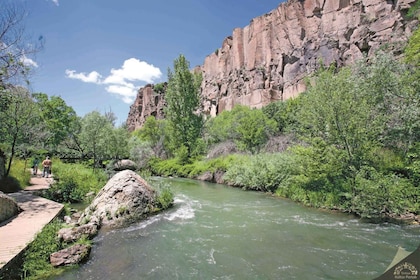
(18, 178)
(36, 258)
(169, 167)
(173, 167)
(413, 164)
(387, 160)
(20, 171)
(334, 110)
(151, 131)
(183, 100)
(378, 195)
(140, 152)
(414, 11)
(59, 118)
(165, 197)
(249, 128)
(16, 120)
(262, 172)
(73, 182)
(412, 53)
(159, 88)
(284, 113)
(100, 140)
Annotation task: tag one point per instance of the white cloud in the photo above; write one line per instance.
(121, 81)
(134, 70)
(28, 62)
(127, 93)
(92, 77)
(55, 2)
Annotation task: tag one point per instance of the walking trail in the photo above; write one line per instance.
(16, 233)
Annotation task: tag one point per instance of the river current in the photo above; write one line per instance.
(218, 232)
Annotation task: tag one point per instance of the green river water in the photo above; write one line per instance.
(218, 232)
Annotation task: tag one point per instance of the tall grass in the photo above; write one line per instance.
(18, 178)
(73, 181)
(36, 258)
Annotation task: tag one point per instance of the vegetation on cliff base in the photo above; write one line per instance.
(357, 148)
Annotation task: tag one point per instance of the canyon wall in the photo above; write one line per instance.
(268, 60)
(149, 102)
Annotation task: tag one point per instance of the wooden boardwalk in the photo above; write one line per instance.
(18, 232)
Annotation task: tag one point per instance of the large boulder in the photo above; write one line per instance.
(125, 197)
(8, 207)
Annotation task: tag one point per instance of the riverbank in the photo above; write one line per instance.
(375, 199)
(18, 232)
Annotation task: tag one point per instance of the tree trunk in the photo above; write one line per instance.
(2, 164)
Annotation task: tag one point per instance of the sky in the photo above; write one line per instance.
(98, 53)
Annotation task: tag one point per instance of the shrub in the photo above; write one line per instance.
(263, 172)
(173, 167)
(165, 197)
(73, 181)
(378, 195)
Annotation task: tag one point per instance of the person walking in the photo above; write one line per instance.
(46, 164)
(35, 166)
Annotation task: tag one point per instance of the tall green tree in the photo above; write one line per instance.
(93, 135)
(16, 118)
(15, 62)
(59, 119)
(183, 101)
(336, 111)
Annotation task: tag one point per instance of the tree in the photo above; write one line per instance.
(155, 133)
(248, 128)
(336, 111)
(16, 118)
(95, 129)
(59, 119)
(183, 101)
(15, 48)
(15, 63)
(117, 143)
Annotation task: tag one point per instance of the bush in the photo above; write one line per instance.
(248, 128)
(165, 197)
(173, 167)
(263, 172)
(378, 195)
(73, 181)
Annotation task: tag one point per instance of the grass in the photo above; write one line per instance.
(18, 178)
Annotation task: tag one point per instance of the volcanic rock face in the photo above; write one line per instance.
(268, 59)
(149, 102)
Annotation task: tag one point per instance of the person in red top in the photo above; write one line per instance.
(46, 164)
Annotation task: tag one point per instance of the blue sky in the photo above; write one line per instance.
(98, 53)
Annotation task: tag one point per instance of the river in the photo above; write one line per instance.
(219, 232)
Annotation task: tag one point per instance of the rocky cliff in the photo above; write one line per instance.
(149, 101)
(268, 60)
